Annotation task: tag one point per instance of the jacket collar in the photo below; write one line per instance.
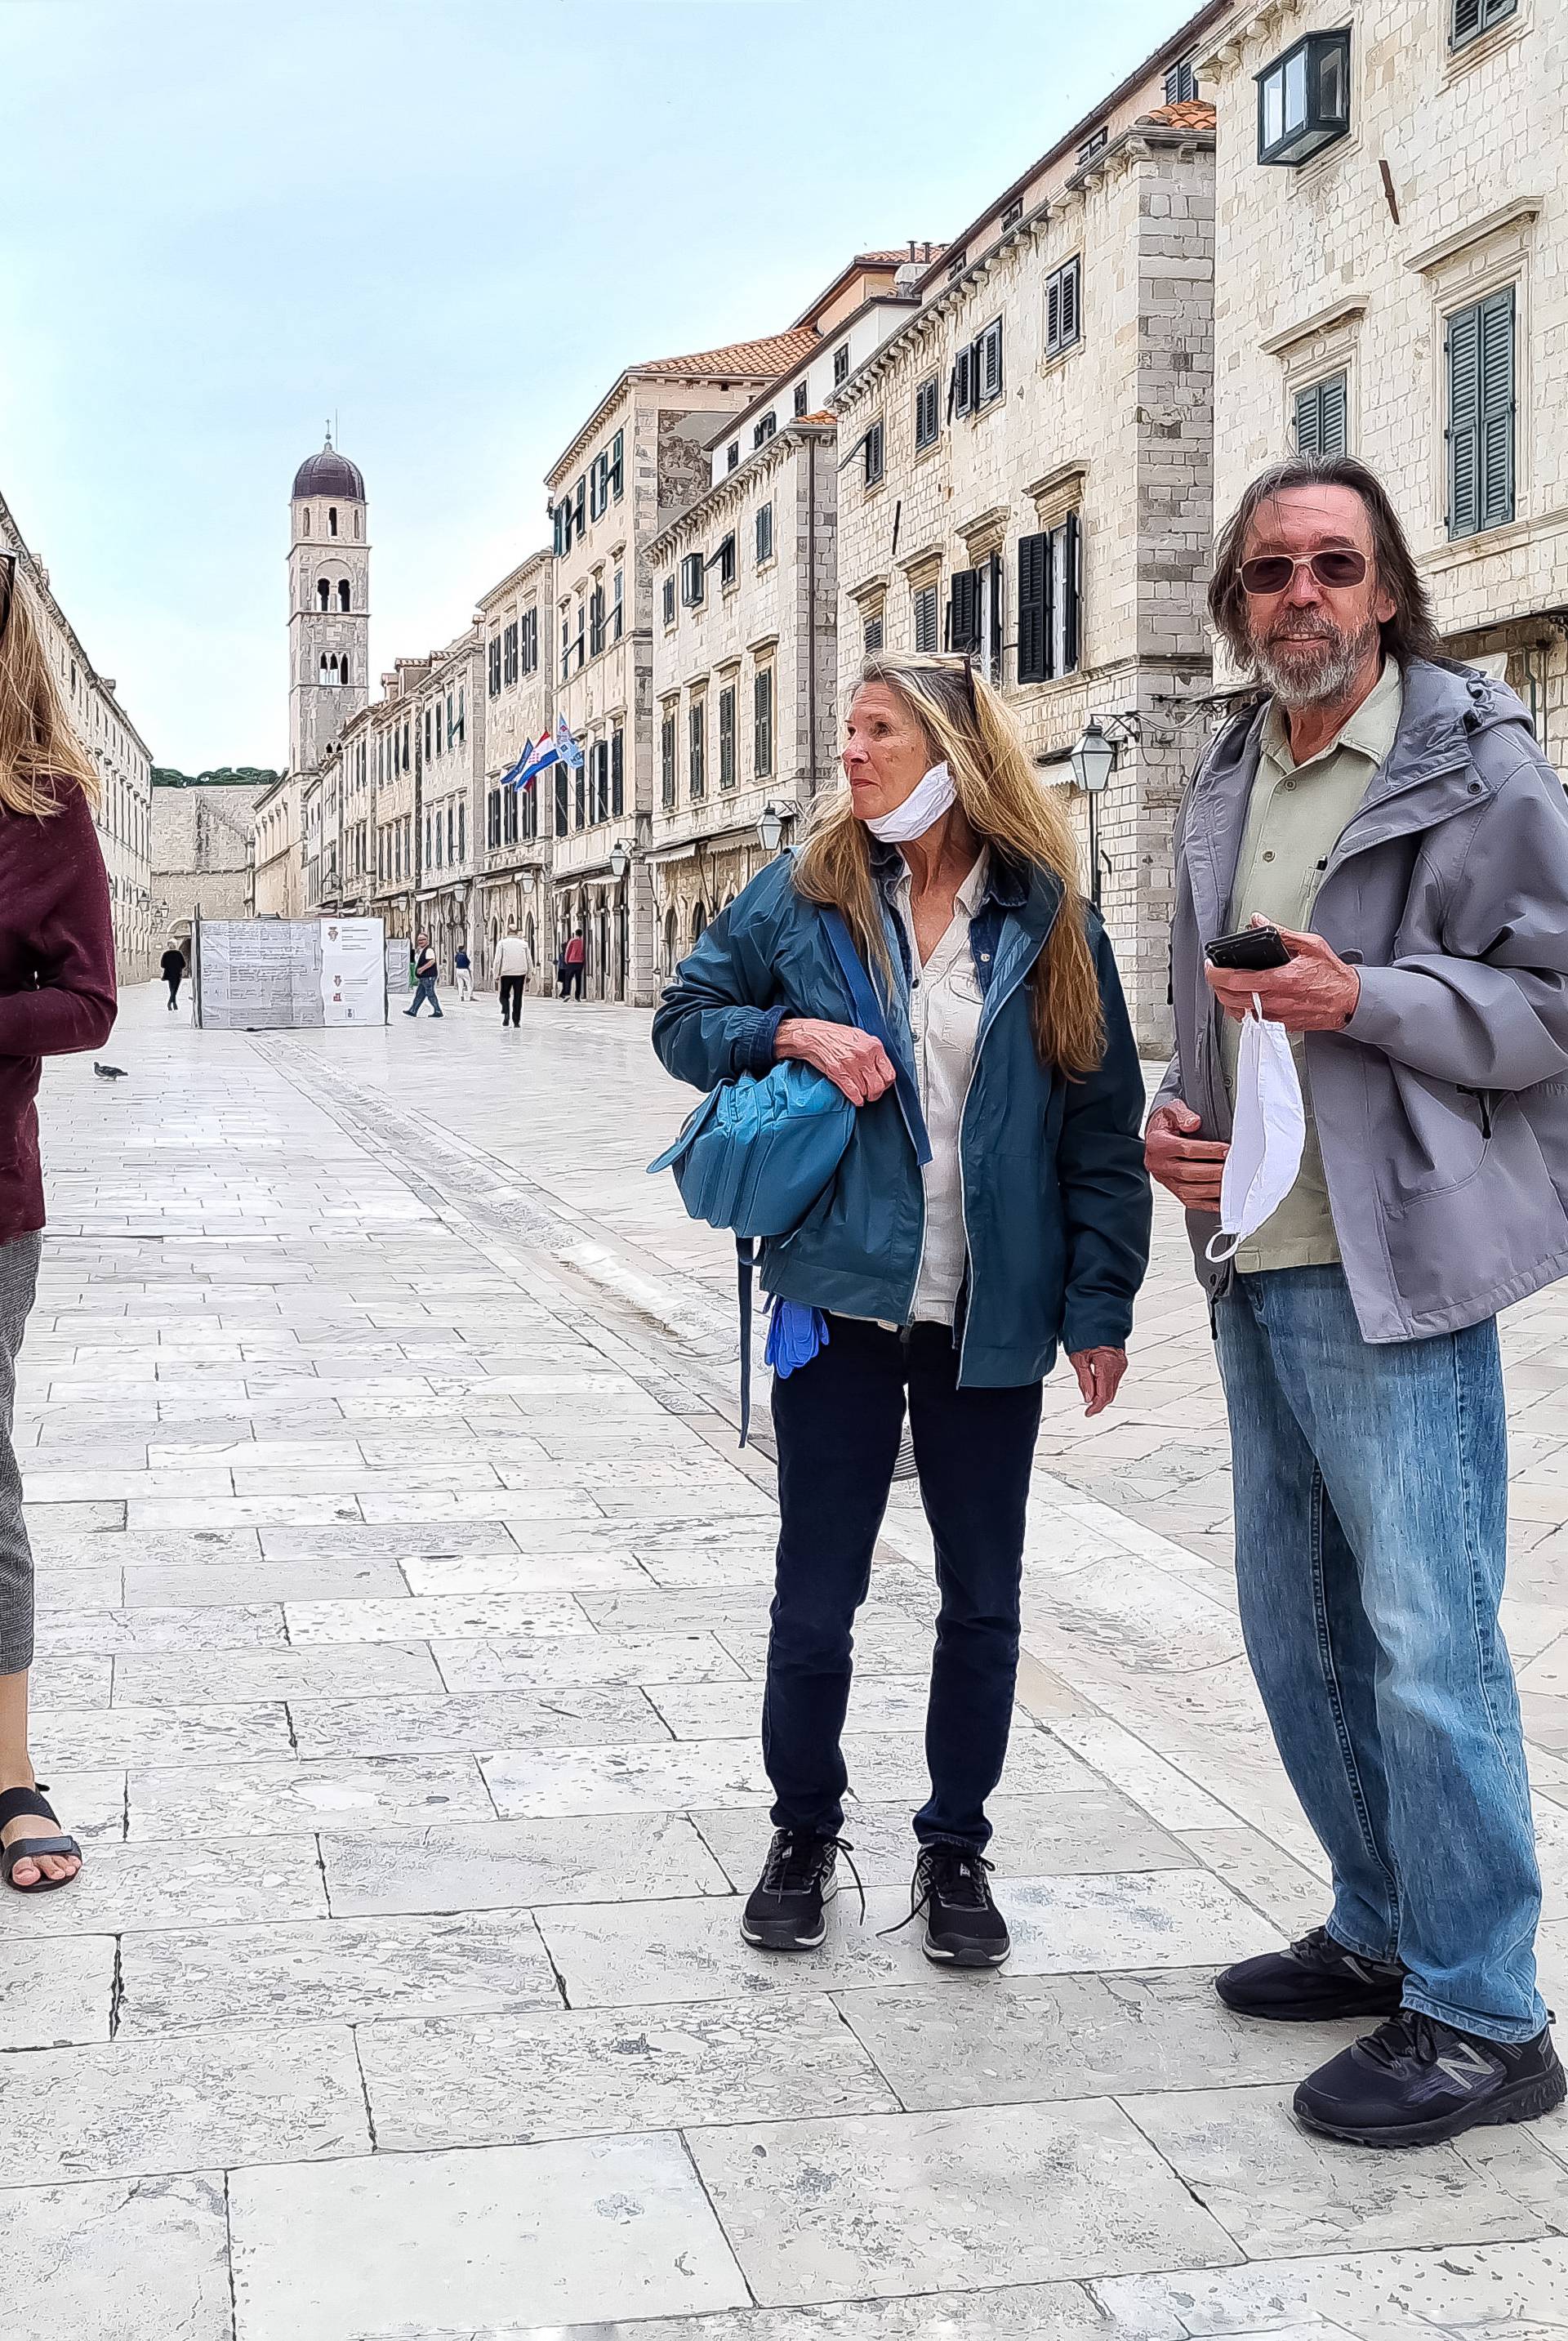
(1027, 893)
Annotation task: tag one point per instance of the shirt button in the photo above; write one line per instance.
(1290, 784)
(1268, 857)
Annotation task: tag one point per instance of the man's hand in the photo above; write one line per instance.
(1315, 993)
(1099, 1373)
(1188, 1167)
(852, 1059)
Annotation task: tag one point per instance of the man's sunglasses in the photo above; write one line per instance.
(1272, 573)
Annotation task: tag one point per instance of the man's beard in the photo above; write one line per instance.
(1313, 669)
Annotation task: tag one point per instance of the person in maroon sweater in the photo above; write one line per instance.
(56, 994)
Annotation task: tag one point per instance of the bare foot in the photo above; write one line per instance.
(61, 1866)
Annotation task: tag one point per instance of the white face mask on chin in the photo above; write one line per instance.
(1266, 1142)
(926, 803)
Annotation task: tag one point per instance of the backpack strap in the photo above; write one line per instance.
(870, 1017)
(746, 1259)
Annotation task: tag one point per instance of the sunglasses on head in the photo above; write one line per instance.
(7, 589)
(1272, 573)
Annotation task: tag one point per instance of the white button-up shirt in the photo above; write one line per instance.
(945, 1003)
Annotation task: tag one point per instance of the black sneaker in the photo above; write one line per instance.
(786, 1911)
(964, 1927)
(1316, 1980)
(1416, 2081)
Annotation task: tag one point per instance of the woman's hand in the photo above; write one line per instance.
(852, 1059)
(1099, 1373)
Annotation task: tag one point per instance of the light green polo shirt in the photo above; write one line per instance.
(1295, 818)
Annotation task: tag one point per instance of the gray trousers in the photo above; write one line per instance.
(18, 1281)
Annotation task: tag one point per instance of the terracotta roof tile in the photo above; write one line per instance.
(1188, 114)
(764, 359)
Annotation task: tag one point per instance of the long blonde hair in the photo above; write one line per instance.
(40, 753)
(970, 729)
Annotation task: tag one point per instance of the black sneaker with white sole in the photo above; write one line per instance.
(1416, 2081)
(964, 1927)
(787, 1910)
(1312, 1982)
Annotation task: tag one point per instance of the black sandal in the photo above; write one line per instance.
(14, 1803)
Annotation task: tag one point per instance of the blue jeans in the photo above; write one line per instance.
(837, 1423)
(1371, 1537)
(423, 991)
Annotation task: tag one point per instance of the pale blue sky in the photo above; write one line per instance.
(452, 222)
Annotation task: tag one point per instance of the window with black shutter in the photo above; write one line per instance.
(762, 723)
(693, 582)
(495, 666)
(492, 817)
(579, 499)
(964, 611)
(617, 773)
(764, 429)
(618, 606)
(562, 794)
(580, 796)
(669, 601)
(1062, 305)
(872, 631)
(726, 560)
(1048, 610)
(1470, 18)
(602, 777)
(1321, 417)
(1181, 82)
(509, 648)
(874, 454)
(928, 412)
(667, 762)
(961, 382)
(1480, 366)
(727, 737)
(840, 364)
(988, 363)
(596, 621)
(926, 622)
(559, 518)
(529, 642)
(732, 455)
(802, 395)
(764, 533)
(617, 465)
(696, 777)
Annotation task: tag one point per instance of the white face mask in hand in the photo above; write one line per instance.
(1269, 1134)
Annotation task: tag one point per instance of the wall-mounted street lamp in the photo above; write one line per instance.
(770, 829)
(1093, 760)
(620, 857)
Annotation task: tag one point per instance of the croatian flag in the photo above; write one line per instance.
(531, 763)
(566, 747)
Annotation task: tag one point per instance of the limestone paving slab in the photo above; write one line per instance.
(908, 2203)
(220, 1626)
(207, 2101)
(1035, 1836)
(1036, 2312)
(342, 1970)
(518, 1574)
(177, 1585)
(54, 1995)
(371, 1792)
(1491, 2289)
(326, 1670)
(514, 2239)
(128, 1734)
(518, 1865)
(468, 1618)
(127, 2259)
(576, 1661)
(124, 1888)
(595, 1714)
(468, 2080)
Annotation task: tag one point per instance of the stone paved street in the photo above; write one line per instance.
(403, 1613)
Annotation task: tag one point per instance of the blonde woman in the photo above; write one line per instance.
(947, 1290)
(56, 994)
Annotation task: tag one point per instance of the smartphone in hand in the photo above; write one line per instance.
(1250, 948)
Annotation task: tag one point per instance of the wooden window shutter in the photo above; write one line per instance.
(1070, 281)
(989, 384)
(1054, 312)
(1464, 423)
(1333, 428)
(1496, 408)
(1072, 571)
(618, 773)
(1034, 608)
(964, 612)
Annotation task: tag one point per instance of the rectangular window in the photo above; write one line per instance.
(530, 642)
(565, 643)
(563, 799)
(727, 737)
(492, 818)
(451, 832)
(961, 382)
(1303, 99)
(509, 648)
(617, 466)
(559, 517)
(1013, 214)
(873, 630)
(494, 665)
(762, 723)
(803, 396)
(874, 455)
(618, 771)
(1181, 83)
(578, 500)
(928, 412)
(764, 429)
(1321, 416)
(988, 363)
(693, 580)
(602, 780)
(519, 801)
(1093, 145)
(696, 782)
(840, 363)
(1479, 352)
(726, 560)
(964, 611)
(1050, 611)
(667, 762)
(596, 621)
(580, 796)
(616, 607)
(764, 533)
(732, 455)
(669, 601)
(1063, 305)
(598, 489)
(926, 625)
(463, 832)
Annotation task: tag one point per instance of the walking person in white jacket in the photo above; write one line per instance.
(514, 968)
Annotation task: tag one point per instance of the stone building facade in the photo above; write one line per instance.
(1401, 291)
(640, 457)
(276, 855)
(202, 850)
(1025, 473)
(122, 760)
(516, 620)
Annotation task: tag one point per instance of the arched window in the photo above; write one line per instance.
(699, 921)
(305, 522)
(343, 671)
(323, 674)
(324, 594)
(332, 520)
(342, 593)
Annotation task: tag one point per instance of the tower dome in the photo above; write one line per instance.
(329, 473)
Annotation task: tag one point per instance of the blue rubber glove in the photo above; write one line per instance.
(795, 1334)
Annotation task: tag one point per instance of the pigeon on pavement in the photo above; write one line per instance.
(108, 1072)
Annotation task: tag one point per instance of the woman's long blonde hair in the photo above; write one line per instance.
(40, 753)
(970, 729)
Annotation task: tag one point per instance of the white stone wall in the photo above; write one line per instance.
(202, 850)
(513, 881)
(277, 852)
(318, 714)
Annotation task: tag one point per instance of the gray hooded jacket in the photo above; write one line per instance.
(1442, 1107)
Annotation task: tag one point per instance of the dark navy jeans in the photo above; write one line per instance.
(837, 1422)
(1371, 1532)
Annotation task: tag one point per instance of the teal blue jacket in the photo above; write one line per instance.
(1056, 1197)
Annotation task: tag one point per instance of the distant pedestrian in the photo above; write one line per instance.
(173, 966)
(514, 969)
(1391, 1076)
(425, 966)
(56, 995)
(463, 971)
(573, 959)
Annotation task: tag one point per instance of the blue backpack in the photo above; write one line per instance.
(757, 1154)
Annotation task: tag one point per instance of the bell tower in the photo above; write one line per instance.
(329, 603)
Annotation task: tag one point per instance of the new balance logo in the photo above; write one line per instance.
(1466, 2065)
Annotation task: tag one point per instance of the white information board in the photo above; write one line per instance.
(354, 971)
(262, 975)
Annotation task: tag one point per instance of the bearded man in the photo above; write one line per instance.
(1391, 814)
